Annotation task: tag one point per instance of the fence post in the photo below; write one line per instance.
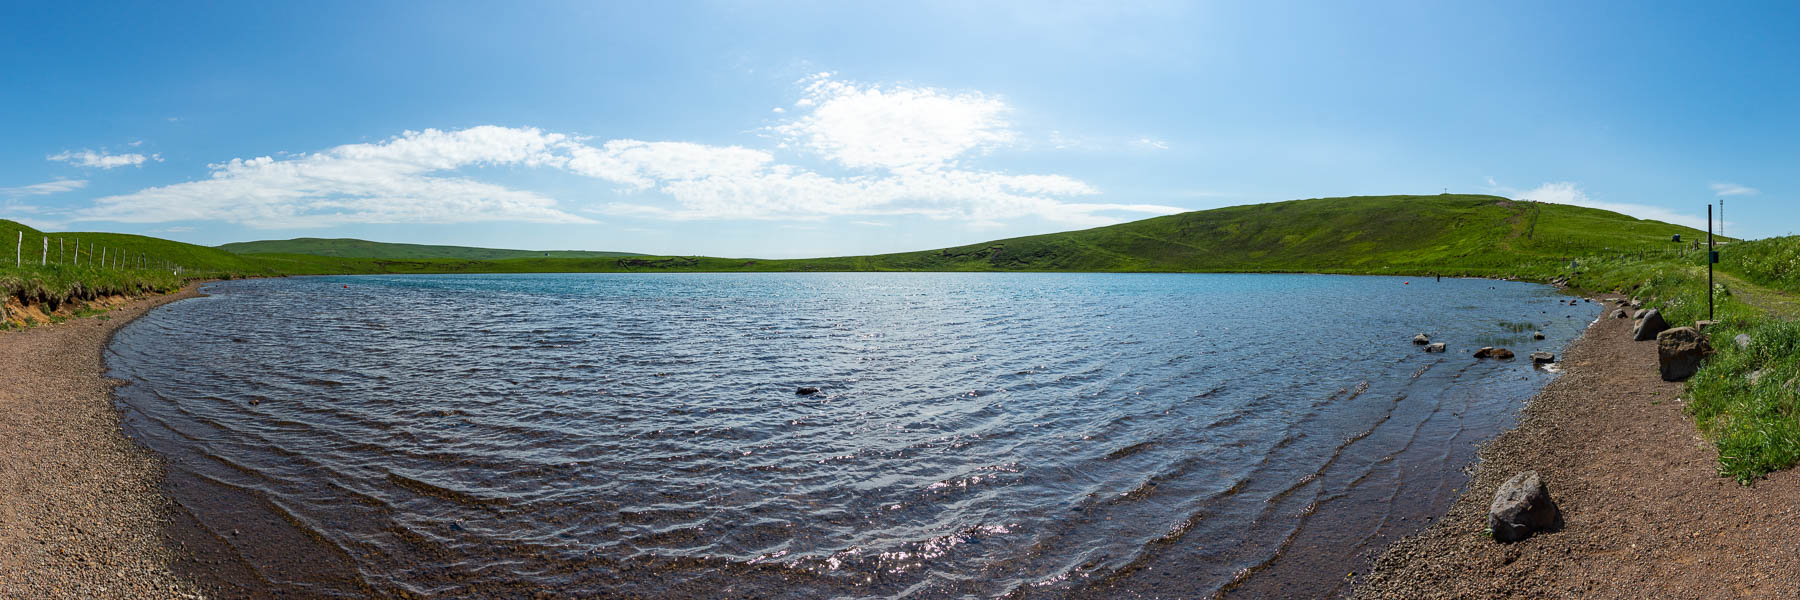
(44, 258)
(19, 251)
(103, 256)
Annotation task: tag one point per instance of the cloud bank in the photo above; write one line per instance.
(901, 151)
(90, 158)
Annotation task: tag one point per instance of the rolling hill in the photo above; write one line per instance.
(354, 248)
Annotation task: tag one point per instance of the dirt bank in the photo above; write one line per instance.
(81, 510)
(1647, 515)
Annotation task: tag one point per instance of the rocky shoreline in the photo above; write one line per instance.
(1645, 512)
(81, 508)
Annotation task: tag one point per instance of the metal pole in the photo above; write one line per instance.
(1709, 263)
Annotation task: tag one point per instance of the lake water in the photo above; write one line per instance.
(977, 435)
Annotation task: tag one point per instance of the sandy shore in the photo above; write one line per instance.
(81, 511)
(1647, 515)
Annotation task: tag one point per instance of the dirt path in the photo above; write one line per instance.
(1647, 515)
(1771, 301)
(80, 506)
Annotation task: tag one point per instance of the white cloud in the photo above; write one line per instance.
(1152, 143)
(90, 158)
(903, 147)
(869, 223)
(56, 186)
(395, 181)
(897, 128)
(1732, 189)
(1565, 192)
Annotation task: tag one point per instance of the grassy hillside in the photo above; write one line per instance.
(354, 248)
(1453, 234)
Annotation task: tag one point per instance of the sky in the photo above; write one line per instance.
(802, 129)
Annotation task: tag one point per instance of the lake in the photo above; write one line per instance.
(975, 435)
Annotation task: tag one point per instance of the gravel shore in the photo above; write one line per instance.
(81, 510)
(1646, 513)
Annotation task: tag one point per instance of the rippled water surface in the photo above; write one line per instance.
(1056, 435)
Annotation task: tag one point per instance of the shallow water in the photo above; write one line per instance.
(978, 435)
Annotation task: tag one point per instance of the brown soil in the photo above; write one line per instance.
(80, 507)
(1646, 513)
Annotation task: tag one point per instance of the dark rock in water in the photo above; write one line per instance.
(1619, 314)
(1492, 352)
(1521, 507)
(1650, 325)
(1537, 335)
(1421, 339)
(1742, 340)
(1543, 357)
(807, 391)
(1679, 352)
(1437, 347)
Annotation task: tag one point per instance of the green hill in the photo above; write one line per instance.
(1462, 234)
(354, 248)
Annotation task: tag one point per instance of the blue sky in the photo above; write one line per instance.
(814, 129)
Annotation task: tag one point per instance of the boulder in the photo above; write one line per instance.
(1639, 314)
(1543, 357)
(1650, 325)
(807, 391)
(1492, 352)
(1421, 339)
(1502, 353)
(1484, 351)
(1437, 347)
(1679, 352)
(1521, 507)
(1742, 340)
(1537, 335)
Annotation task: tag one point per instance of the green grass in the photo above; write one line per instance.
(354, 248)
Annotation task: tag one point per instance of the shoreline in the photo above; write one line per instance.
(1646, 512)
(81, 504)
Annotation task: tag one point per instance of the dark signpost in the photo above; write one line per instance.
(1712, 258)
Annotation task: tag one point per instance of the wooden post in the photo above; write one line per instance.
(18, 252)
(44, 258)
(103, 256)
(62, 254)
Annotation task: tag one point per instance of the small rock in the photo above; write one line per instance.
(1639, 314)
(1537, 335)
(1492, 352)
(806, 391)
(1679, 352)
(1521, 507)
(1543, 357)
(1637, 303)
(1651, 325)
(1437, 347)
(1619, 314)
(1421, 339)
(1756, 376)
(1743, 340)
(1702, 325)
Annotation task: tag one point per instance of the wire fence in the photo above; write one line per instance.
(71, 252)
